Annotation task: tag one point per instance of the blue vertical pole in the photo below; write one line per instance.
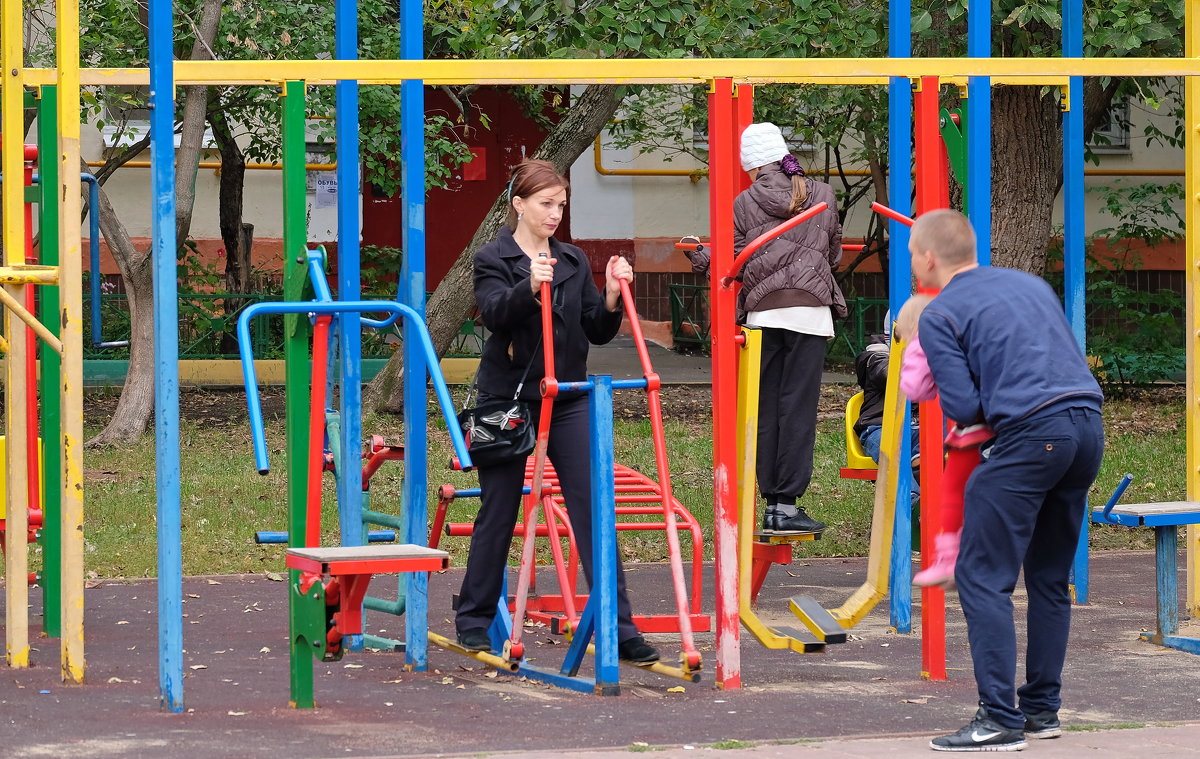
(604, 536)
(979, 130)
(900, 189)
(349, 325)
(1074, 230)
(411, 293)
(166, 356)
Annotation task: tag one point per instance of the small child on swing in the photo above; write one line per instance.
(962, 446)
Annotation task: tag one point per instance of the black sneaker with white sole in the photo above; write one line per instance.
(1042, 725)
(981, 734)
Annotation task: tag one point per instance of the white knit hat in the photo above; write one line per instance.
(762, 144)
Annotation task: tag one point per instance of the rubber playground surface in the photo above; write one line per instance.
(236, 686)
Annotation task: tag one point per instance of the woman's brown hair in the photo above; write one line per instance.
(529, 177)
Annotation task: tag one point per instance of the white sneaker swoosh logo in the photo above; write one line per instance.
(979, 737)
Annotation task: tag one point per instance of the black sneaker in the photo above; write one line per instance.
(771, 519)
(981, 734)
(1042, 725)
(637, 651)
(475, 639)
(801, 522)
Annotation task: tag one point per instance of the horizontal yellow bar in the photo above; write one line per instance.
(28, 275)
(639, 71)
(216, 165)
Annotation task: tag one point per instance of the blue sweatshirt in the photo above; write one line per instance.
(1001, 350)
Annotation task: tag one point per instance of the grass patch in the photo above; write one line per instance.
(732, 744)
(224, 500)
(1097, 728)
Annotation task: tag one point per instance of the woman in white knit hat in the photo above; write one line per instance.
(788, 291)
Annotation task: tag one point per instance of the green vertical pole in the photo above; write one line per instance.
(48, 308)
(296, 333)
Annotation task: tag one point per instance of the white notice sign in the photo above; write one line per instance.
(327, 189)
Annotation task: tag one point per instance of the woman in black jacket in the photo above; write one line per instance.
(509, 272)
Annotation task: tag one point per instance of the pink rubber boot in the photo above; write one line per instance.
(945, 554)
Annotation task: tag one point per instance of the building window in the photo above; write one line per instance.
(1112, 135)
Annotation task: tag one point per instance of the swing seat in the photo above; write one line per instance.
(859, 466)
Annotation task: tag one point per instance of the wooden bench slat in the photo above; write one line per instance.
(1165, 507)
(378, 552)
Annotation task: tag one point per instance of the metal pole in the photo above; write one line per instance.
(979, 130)
(721, 193)
(349, 324)
(51, 364)
(1192, 124)
(412, 294)
(166, 355)
(296, 331)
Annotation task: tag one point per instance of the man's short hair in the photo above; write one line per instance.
(948, 234)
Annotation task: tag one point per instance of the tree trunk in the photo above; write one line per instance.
(454, 299)
(137, 395)
(1026, 166)
(236, 234)
(195, 108)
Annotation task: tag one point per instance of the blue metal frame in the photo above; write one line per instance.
(349, 330)
(1074, 232)
(411, 292)
(166, 356)
(979, 130)
(900, 189)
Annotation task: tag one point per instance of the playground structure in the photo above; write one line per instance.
(59, 276)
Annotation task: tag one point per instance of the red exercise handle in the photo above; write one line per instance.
(767, 236)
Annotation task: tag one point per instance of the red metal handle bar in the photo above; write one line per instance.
(892, 214)
(769, 235)
(316, 433)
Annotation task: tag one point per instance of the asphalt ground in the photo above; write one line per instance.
(862, 698)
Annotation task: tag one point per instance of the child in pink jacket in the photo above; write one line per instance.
(962, 446)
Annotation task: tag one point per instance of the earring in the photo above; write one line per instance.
(520, 216)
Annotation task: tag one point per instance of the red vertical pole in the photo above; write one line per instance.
(722, 174)
(33, 459)
(933, 191)
(744, 117)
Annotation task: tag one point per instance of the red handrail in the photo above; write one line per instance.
(769, 235)
(891, 213)
(316, 433)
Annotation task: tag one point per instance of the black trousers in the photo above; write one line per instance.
(1024, 506)
(500, 507)
(789, 389)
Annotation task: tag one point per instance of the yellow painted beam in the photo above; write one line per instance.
(12, 126)
(22, 313)
(72, 662)
(22, 274)
(641, 71)
(1192, 321)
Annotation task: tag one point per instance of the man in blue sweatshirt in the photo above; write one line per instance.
(1002, 353)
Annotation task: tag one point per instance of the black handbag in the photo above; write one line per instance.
(499, 431)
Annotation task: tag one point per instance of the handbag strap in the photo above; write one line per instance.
(473, 391)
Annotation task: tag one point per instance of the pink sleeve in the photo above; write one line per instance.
(916, 381)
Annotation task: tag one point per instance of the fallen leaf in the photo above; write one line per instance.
(915, 700)
(388, 703)
(236, 714)
(122, 622)
(447, 681)
(461, 687)
(397, 680)
(193, 595)
(115, 680)
(677, 689)
(275, 577)
(352, 666)
(198, 666)
(264, 650)
(491, 673)
(213, 582)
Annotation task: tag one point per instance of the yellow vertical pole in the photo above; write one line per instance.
(16, 564)
(71, 287)
(1192, 234)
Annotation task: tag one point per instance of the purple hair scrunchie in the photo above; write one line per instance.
(791, 166)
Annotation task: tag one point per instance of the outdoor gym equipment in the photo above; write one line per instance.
(607, 482)
(329, 584)
(723, 76)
